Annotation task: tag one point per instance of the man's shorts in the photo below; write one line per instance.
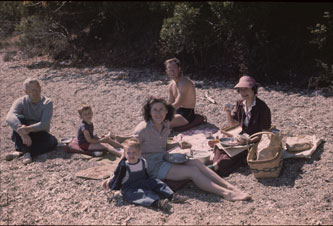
(157, 166)
(187, 113)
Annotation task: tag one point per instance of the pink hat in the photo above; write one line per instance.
(245, 82)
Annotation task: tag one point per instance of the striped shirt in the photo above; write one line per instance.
(151, 141)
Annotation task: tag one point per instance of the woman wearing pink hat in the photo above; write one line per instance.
(251, 113)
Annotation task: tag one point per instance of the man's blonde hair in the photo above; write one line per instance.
(172, 60)
(83, 107)
(131, 143)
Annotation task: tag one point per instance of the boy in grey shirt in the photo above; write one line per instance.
(30, 117)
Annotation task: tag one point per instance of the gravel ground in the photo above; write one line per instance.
(48, 192)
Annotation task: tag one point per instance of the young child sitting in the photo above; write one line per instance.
(85, 135)
(136, 187)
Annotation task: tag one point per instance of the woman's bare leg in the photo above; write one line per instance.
(181, 172)
(211, 174)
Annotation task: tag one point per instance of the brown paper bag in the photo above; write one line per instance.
(268, 146)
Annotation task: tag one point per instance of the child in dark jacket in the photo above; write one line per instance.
(136, 187)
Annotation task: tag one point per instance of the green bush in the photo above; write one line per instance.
(276, 42)
(322, 38)
(188, 33)
(38, 37)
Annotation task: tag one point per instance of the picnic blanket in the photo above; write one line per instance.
(97, 172)
(196, 137)
(198, 140)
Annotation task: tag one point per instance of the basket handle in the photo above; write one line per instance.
(256, 134)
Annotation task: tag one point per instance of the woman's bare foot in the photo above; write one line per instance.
(237, 196)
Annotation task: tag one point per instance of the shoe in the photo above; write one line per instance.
(13, 155)
(97, 153)
(27, 158)
(177, 198)
(163, 204)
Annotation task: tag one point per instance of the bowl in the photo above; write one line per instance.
(227, 141)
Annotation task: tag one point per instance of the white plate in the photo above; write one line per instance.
(176, 158)
(228, 142)
(66, 140)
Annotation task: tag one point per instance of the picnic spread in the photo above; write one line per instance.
(194, 144)
(294, 147)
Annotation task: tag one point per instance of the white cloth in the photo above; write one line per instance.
(306, 153)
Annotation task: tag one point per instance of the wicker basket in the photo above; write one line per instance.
(268, 168)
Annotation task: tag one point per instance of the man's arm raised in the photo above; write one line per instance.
(181, 90)
(171, 98)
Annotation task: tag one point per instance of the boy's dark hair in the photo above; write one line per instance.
(83, 107)
(153, 100)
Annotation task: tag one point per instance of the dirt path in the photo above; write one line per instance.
(47, 191)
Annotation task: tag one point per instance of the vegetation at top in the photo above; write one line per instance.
(275, 42)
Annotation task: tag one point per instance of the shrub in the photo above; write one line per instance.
(322, 38)
(38, 37)
(187, 33)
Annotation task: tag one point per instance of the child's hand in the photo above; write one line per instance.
(104, 139)
(105, 184)
(111, 135)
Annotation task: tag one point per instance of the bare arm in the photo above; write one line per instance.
(171, 98)
(93, 140)
(182, 89)
(230, 120)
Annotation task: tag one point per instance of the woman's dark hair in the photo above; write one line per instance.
(153, 100)
(255, 89)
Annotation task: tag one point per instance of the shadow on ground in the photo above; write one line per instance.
(135, 75)
(292, 170)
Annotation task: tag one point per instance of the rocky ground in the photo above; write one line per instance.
(48, 192)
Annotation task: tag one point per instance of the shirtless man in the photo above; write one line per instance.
(181, 94)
